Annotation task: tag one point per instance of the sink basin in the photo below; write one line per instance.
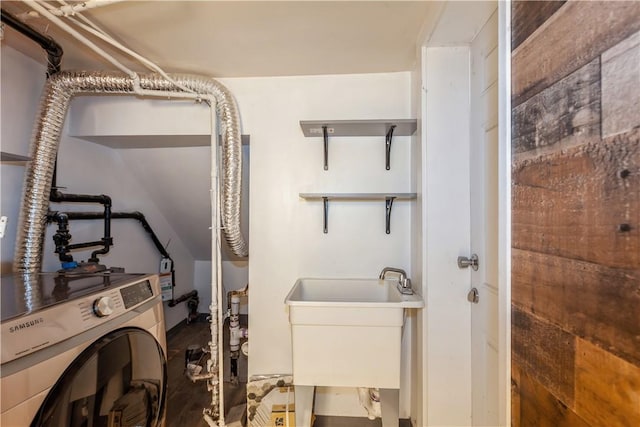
(350, 292)
(347, 332)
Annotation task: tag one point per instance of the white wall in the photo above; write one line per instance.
(202, 283)
(177, 177)
(419, 374)
(446, 230)
(442, 384)
(22, 81)
(287, 241)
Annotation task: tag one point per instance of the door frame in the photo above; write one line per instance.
(504, 209)
(448, 286)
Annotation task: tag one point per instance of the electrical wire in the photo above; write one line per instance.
(73, 9)
(94, 30)
(45, 9)
(38, 7)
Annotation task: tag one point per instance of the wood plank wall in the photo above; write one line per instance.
(576, 213)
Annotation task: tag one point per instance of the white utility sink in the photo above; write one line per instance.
(347, 332)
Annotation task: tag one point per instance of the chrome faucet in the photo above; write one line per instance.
(404, 283)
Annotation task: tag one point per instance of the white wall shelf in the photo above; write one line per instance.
(13, 158)
(155, 141)
(381, 127)
(387, 197)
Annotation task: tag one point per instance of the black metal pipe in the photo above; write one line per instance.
(140, 217)
(124, 215)
(192, 307)
(182, 298)
(62, 237)
(119, 215)
(108, 240)
(86, 245)
(234, 367)
(57, 196)
(54, 50)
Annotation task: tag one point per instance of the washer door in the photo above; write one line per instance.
(118, 381)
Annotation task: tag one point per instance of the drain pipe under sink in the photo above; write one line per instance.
(370, 399)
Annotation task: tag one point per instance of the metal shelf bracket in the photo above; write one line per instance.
(388, 204)
(325, 134)
(388, 138)
(325, 202)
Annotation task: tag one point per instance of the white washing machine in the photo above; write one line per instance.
(86, 350)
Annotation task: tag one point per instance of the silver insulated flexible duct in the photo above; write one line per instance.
(58, 92)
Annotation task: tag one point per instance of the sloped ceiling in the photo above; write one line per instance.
(181, 191)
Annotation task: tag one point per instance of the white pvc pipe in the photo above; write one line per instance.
(90, 28)
(234, 324)
(136, 81)
(138, 90)
(72, 9)
(35, 5)
(214, 145)
(217, 316)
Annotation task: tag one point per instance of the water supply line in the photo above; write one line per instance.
(236, 333)
(62, 243)
(139, 216)
(217, 390)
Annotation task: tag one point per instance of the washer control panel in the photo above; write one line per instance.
(41, 329)
(136, 293)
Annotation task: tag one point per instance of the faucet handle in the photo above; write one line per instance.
(404, 286)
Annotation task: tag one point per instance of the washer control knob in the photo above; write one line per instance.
(103, 306)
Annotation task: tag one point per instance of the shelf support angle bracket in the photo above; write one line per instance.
(325, 135)
(387, 144)
(325, 203)
(388, 204)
